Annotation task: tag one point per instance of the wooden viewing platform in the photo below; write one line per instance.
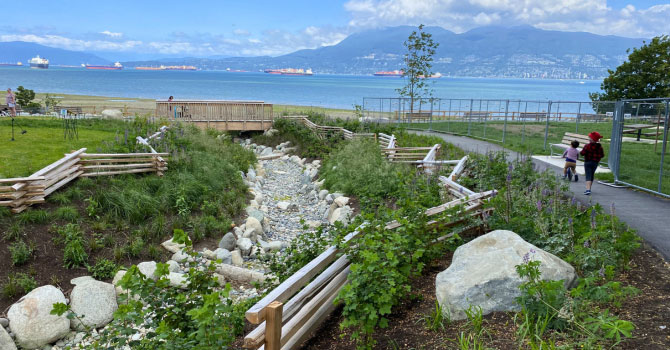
(218, 114)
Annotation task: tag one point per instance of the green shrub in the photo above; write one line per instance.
(20, 252)
(103, 269)
(60, 198)
(18, 284)
(72, 238)
(67, 213)
(13, 232)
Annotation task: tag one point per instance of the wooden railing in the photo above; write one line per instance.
(20, 193)
(222, 115)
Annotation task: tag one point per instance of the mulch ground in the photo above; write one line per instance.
(648, 311)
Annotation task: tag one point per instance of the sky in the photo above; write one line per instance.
(197, 28)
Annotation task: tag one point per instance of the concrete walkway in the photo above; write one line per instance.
(648, 214)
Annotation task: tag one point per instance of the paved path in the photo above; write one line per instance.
(648, 214)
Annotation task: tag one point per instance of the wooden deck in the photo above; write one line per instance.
(218, 114)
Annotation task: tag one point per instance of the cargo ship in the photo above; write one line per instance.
(179, 68)
(39, 62)
(115, 66)
(290, 71)
(150, 68)
(393, 73)
(17, 64)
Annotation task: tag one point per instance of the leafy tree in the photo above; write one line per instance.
(24, 96)
(418, 64)
(50, 102)
(646, 74)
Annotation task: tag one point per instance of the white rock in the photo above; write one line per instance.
(251, 234)
(6, 342)
(313, 173)
(236, 257)
(94, 300)
(177, 280)
(323, 194)
(181, 257)
(119, 275)
(245, 245)
(283, 205)
(329, 198)
(173, 266)
(172, 247)
(208, 254)
(483, 273)
(220, 279)
(275, 245)
(82, 279)
(4, 322)
(31, 321)
(313, 224)
(112, 113)
(341, 201)
(148, 269)
(254, 224)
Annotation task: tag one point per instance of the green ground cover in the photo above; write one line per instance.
(44, 142)
(640, 164)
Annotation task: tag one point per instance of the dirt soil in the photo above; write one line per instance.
(648, 311)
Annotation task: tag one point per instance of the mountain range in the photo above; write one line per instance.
(20, 51)
(521, 51)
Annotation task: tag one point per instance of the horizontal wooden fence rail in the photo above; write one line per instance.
(218, 114)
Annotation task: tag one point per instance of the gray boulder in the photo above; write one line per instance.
(173, 266)
(323, 194)
(245, 245)
(228, 241)
(224, 255)
(255, 213)
(94, 300)
(6, 342)
(483, 273)
(266, 152)
(31, 321)
(4, 322)
(177, 280)
(254, 224)
(148, 269)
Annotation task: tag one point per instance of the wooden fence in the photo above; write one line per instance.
(220, 115)
(289, 314)
(20, 193)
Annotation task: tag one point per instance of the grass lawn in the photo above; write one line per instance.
(44, 142)
(639, 163)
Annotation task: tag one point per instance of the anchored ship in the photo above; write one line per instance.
(290, 71)
(17, 64)
(39, 62)
(115, 66)
(180, 68)
(393, 73)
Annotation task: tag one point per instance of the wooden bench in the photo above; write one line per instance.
(70, 110)
(418, 116)
(567, 140)
(591, 117)
(537, 116)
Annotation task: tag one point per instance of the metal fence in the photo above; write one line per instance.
(639, 145)
(535, 124)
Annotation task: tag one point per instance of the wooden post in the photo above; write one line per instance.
(273, 319)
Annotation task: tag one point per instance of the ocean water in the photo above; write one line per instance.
(333, 91)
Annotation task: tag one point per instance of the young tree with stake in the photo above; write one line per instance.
(418, 64)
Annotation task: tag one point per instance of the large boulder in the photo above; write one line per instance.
(31, 321)
(96, 301)
(483, 273)
(112, 113)
(148, 269)
(228, 242)
(254, 224)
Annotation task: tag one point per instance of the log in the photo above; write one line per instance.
(255, 338)
(49, 175)
(53, 178)
(122, 155)
(239, 273)
(311, 325)
(62, 183)
(22, 179)
(115, 160)
(272, 156)
(458, 169)
(292, 284)
(119, 166)
(13, 195)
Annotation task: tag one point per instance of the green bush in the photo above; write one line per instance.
(13, 232)
(103, 269)
(18, 284)
(67, 213)
(20, 252)
(33, 216)
(72, 238)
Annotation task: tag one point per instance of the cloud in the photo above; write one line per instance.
(73, 44)
(241, 32)
(594, 16)
(111, 34)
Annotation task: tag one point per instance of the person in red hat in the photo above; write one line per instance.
(593, 153)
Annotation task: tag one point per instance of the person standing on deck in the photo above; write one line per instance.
(10, 100)
(593, 153)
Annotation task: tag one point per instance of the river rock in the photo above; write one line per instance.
(483, 273)
(245, 245)
(31, 321)
(173, 266)
(323, 194)
(177, 280)
(172, 247)
(254, 224)
(148, 269)
(341, 201)
(283, 205)
(228, 241)
(255, 213)
(224, 255)
(266, 152)
(6, 342)
(96, 301)
(274, 246)
(236, 258)
(4, 322)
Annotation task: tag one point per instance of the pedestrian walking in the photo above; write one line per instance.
(593, 153)
(10, 99)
